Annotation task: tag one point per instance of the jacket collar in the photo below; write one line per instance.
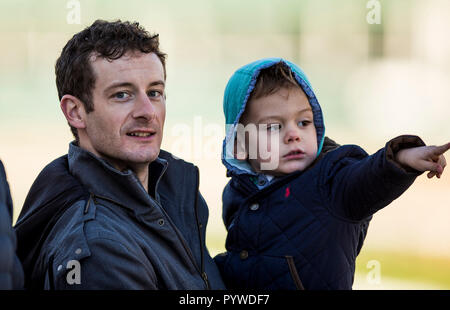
(102, 179)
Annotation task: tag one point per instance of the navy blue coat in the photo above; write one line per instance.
(82, 210)
(11, 273)
(305, 230)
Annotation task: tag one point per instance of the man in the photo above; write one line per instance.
(115, 212)
(11, 273)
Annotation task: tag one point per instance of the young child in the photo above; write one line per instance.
(301, 223)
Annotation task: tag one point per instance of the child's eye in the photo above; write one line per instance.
(273, 127)
(304, 123)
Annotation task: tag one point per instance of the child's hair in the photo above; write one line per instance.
(272, 79)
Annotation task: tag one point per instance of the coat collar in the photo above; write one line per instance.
(102, 179)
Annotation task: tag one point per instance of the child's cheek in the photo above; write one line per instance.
(267, 148)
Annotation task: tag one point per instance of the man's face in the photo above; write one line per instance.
(288, 115)
(126, 126)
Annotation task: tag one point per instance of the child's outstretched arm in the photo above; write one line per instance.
(357, 185)
(424, 158)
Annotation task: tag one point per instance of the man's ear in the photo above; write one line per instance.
(239, 150)
(74, 111)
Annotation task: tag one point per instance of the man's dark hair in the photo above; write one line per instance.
(110, 40)
(272, 79)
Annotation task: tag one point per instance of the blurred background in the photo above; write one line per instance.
(379, 69)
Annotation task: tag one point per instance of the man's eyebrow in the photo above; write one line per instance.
(128, 84)
(119, 84)
(159, 82)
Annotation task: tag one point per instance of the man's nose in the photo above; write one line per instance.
(144, 108)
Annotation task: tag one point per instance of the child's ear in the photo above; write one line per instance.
(239, 149)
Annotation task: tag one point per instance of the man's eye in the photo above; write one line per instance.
(154, 94)
(121, 95)
(304, 123)
(273, 127)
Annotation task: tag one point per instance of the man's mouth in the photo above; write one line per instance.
(141, 134)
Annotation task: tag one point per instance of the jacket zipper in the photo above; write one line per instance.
(183, 242)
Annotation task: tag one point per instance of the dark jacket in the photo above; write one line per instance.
(305, 230)
(11, 272)
(115, 233)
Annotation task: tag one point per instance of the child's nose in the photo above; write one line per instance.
(292, 136)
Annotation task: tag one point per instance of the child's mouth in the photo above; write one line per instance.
(295, 154)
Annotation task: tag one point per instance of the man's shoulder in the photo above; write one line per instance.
(173, 160)
(88, 219)
(56, 168)
(179, 176)
(80, 231)
(68, 231)
(54, 182)
(85, 240)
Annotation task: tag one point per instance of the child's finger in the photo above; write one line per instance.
(439, 150)
(442, 161)
(431, 174)
(431, 166)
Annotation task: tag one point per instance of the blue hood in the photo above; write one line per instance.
(237, 92)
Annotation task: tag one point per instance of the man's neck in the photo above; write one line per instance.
(140, 169)
(142, 175)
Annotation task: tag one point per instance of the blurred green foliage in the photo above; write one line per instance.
(407, 266)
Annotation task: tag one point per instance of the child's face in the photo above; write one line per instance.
(286, 113)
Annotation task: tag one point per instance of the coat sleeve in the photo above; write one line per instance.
(357, 185)
(111, 266)
(11, 272)
(5, 195)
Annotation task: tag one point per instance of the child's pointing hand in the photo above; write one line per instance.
(424, 158)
